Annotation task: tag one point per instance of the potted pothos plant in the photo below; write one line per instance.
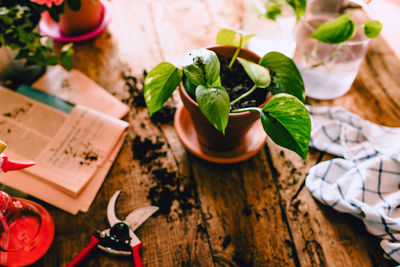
(20, 42)
(227, 88)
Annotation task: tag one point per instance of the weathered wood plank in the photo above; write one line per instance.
(255, 213)
(170, 239)
(244, 221)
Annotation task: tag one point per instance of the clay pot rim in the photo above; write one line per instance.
(190, 99)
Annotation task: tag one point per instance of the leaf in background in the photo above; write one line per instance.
(258, 74)
(273, 10)
(214, 104)
(299, 7)
(201, 67)
(287, 122)
(74, 5)
(66, 55)
(232, 38)
(286, 77)
(159, 85)
(336, 31)
(51, 60)
(372, 28)
(55, 12)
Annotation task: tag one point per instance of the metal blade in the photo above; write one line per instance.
(139, 216)
(135, 240)
(112, 218)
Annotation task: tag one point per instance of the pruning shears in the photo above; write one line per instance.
(120, 238)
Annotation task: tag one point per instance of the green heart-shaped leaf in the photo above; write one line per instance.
(372, 28)
(258, 74)
(273, 10)
(201, 67)
(232, 38)
(66, 55)
(299, 7)
(290, 126)
(336, 31)
(214, 104)
(286, 77)
(159, 85)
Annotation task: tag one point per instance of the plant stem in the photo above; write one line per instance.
(236, 52)
(244, 95)
(246, 109)
(334, 55)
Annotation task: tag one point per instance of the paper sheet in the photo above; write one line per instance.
(27, 183)
(68, 148)
(75, 87)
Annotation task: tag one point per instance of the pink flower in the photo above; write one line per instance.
(48, 2)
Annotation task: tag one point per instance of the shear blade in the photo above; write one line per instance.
(111, 216)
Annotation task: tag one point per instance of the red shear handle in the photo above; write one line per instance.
(137, 259)
(84, 253)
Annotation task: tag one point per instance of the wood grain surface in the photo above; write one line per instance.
(254, 213)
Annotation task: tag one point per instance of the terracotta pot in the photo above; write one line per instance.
(238, 123)
(83, 21)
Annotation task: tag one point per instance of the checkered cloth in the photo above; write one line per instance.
(366, 181)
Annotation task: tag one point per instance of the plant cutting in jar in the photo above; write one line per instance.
(284, 116)
(270, 9)
(18, 23)
(339, 31)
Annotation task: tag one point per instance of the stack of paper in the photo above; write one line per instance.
(74, 143)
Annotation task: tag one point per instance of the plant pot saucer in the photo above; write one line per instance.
(254, 141)
(50, 28)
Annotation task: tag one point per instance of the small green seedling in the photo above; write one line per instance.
(232, 38)
(284, 118)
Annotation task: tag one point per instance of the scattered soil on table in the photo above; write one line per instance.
(171, 187)
(136, 99)
(135, 89)
(237, 82)
(164, 115)
(227, 241)
(247, 211)
(146, 150)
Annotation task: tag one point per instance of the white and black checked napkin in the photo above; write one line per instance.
(366, 181)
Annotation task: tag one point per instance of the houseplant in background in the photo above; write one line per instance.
(21, 44)
(74, 20)
(226, 89)
(330, 48)
(273, 22)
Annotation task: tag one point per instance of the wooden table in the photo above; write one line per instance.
(254, 213)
